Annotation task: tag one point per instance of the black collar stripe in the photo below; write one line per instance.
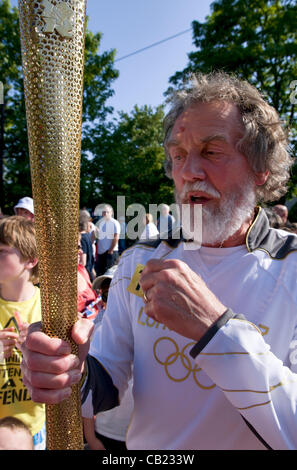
(262, 237)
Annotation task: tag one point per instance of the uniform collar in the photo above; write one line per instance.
(260, 236)
(256, 233)
(258, 230)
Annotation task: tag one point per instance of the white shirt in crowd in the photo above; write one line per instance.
(150, 231)
(107, 229)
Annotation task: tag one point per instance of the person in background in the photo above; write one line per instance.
(109, 230)
(25, 208)
(15, 435)
(88, 302)
(166, 221)
(86, 244)
(19, 306)
(101, 286)
(274, 218)
(122, 240)
(282, 211)
(150, 230)
(92, 231)
(292, 227)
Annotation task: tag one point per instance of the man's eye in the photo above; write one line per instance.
(177, 157)
(210, 153)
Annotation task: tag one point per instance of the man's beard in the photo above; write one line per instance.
(221, 217)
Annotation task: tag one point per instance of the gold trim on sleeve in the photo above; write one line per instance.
(273, 387)
(253, 406)
(234, 352)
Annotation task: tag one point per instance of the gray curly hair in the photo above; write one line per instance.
(265, 141)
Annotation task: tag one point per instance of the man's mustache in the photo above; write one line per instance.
(202, 186)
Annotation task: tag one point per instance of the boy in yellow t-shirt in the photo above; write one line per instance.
(19, 306)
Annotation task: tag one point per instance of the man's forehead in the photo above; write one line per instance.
(222, 109)
(216, 120)
(175, 140)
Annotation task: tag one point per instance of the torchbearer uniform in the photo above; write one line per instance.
(237, 387)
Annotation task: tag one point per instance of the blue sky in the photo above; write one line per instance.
(129, 25)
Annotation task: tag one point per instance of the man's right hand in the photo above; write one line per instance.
(49, 368)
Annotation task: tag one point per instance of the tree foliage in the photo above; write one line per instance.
(15, 144)
(98, 77)
(256, 40)
(128, 160)
(120, 156)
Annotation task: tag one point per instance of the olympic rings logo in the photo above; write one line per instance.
(174, 358)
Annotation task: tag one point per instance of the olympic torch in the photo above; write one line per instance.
(52, 39)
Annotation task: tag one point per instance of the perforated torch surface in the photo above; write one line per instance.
(52, 37)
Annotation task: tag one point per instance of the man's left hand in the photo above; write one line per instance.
(177, 297)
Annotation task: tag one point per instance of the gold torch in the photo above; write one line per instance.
(52, 39)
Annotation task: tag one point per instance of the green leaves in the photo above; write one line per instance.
(129, 159)
(98, 77)
(256, 40)
(122, 156)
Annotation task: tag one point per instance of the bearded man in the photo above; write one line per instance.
(208, 329)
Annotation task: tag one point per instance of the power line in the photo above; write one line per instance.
(153, 45)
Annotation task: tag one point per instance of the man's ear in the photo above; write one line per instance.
(261, 178)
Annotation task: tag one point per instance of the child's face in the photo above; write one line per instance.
(17, 439)
(25, 213)
(12, 267)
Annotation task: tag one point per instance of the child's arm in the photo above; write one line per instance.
(89, 432)
(23, 334)
(8, 340)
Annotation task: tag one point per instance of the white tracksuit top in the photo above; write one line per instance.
(239, 391)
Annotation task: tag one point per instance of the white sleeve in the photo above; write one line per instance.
(112, 343)
(254, 380)
(87, 406)
(117, 227)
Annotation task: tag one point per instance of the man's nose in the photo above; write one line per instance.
(193, 168)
